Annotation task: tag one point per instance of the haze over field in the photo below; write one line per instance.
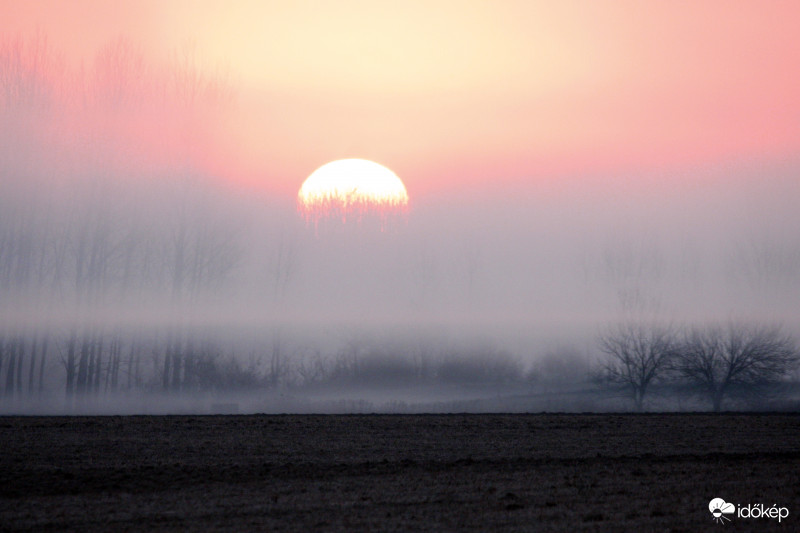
(568, 166)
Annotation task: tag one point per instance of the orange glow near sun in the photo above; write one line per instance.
(351, 189)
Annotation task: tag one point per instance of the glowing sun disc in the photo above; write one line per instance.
(351, 187)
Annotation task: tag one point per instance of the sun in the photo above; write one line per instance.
(352, 190)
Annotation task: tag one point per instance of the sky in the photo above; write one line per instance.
(562, 159)
(569, 165)
(458, 94)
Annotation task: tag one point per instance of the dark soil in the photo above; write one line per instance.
(375, 472)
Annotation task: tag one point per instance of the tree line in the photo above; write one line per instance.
(80, 279)
(722, 365)
(717, 362)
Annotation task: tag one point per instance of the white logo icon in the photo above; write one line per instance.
(719, 509)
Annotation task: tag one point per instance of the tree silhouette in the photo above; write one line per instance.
(735, 360)
(637, 354)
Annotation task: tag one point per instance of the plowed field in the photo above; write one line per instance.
(542, 472)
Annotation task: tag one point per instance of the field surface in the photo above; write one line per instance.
(541, 472)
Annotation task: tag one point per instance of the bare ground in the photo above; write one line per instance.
(544, 472)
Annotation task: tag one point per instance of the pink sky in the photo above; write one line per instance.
(455, 92)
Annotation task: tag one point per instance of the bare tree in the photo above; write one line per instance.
(736, 359)
(278, 359)
(188, 84)
(29, 72)
(120, 74)
(637, 354)
(312, 368)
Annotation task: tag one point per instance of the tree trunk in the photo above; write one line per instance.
(176, 366)
(115, 375)
(116, 349)
(130, 367)
(20, 358)
(32, 367)
(275, 362)
(639, 400)
(83, 364)
(12, 358)
(109, 368)
(717, 401)
(90, 369)
(42, 359)
(3, 347)
(71, 366)
(188, 366)
(117, 364)
(167, 361)
(98, 364)
(137, 376)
